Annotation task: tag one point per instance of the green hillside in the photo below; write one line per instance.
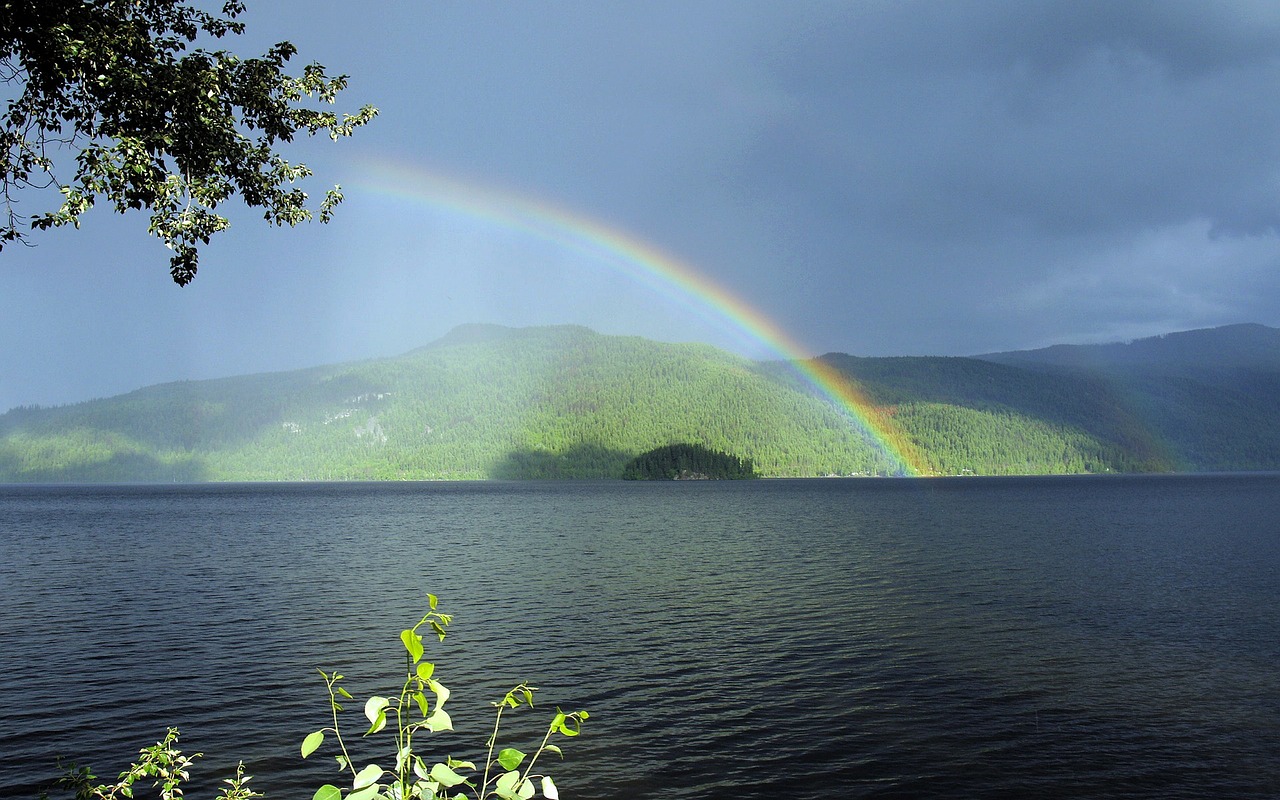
(973, 416)
(484, 402)
(492, 402)
(1211, 396)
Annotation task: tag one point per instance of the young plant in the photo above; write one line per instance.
(412, 713)
(162, 761)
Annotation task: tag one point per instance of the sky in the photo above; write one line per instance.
(873, 178)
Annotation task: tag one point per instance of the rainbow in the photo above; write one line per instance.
(650, 267)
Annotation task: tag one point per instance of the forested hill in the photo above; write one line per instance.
(1212, 396)
(494, 402)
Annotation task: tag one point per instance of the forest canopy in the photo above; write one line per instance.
(687, 462)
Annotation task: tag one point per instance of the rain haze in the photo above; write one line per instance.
(872, 178)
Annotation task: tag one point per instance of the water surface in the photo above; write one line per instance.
(1007, 637)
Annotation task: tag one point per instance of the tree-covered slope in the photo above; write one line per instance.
(481, 403)
(968, 416)
(1210, 397)
(493, 402)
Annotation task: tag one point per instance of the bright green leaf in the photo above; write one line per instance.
(432, 601)
(510, 758)
(441, 692)
(412, 643)
(446, 776)
(367, 793)
(549, 790)
(439, 721)
(551, 748)
(367, 777)
(310, 743)
(507, 783)
(420, 768)
(425, 670)
(327, 792)
(374, 705)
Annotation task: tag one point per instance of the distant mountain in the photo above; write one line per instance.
(1212, 396)
(1228, 348)
(487, 401)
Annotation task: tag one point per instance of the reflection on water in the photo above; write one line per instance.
(1066, 637)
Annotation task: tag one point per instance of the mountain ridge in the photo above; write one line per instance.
(489, 401)
(1248, 345)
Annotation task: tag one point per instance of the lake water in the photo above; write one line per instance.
(1101, 637)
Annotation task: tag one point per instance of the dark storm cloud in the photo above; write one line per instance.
(954, 120)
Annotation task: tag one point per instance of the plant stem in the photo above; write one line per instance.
(488, 762)
(333, 708)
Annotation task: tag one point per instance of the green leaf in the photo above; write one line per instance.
(438, 628)
(439, 721)
(440, 691)
(367, 777)
(421, 700)
(506, 784)
(412, 643)
(551, 748)
(432, 601)
(549, 790)
(510, 758)
(420, 768)
(445, 776)
(375, 709)
(310, 743)
(374, 705)
(327, 792)
(425, 670)
(364, 794)
(345, 693)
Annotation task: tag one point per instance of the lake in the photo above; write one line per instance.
(1101, 637)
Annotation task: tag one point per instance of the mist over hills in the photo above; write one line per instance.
(487, 402)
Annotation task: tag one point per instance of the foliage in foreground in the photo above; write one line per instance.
(417, 711)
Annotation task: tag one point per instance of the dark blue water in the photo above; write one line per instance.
(1061, 637)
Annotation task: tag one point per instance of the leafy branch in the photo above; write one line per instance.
(163, 762)
(160, 125)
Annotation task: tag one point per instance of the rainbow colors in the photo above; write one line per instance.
(650, 267)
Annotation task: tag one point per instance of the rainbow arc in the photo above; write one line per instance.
(650, 267)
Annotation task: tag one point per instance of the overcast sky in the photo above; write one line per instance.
(875, 178)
